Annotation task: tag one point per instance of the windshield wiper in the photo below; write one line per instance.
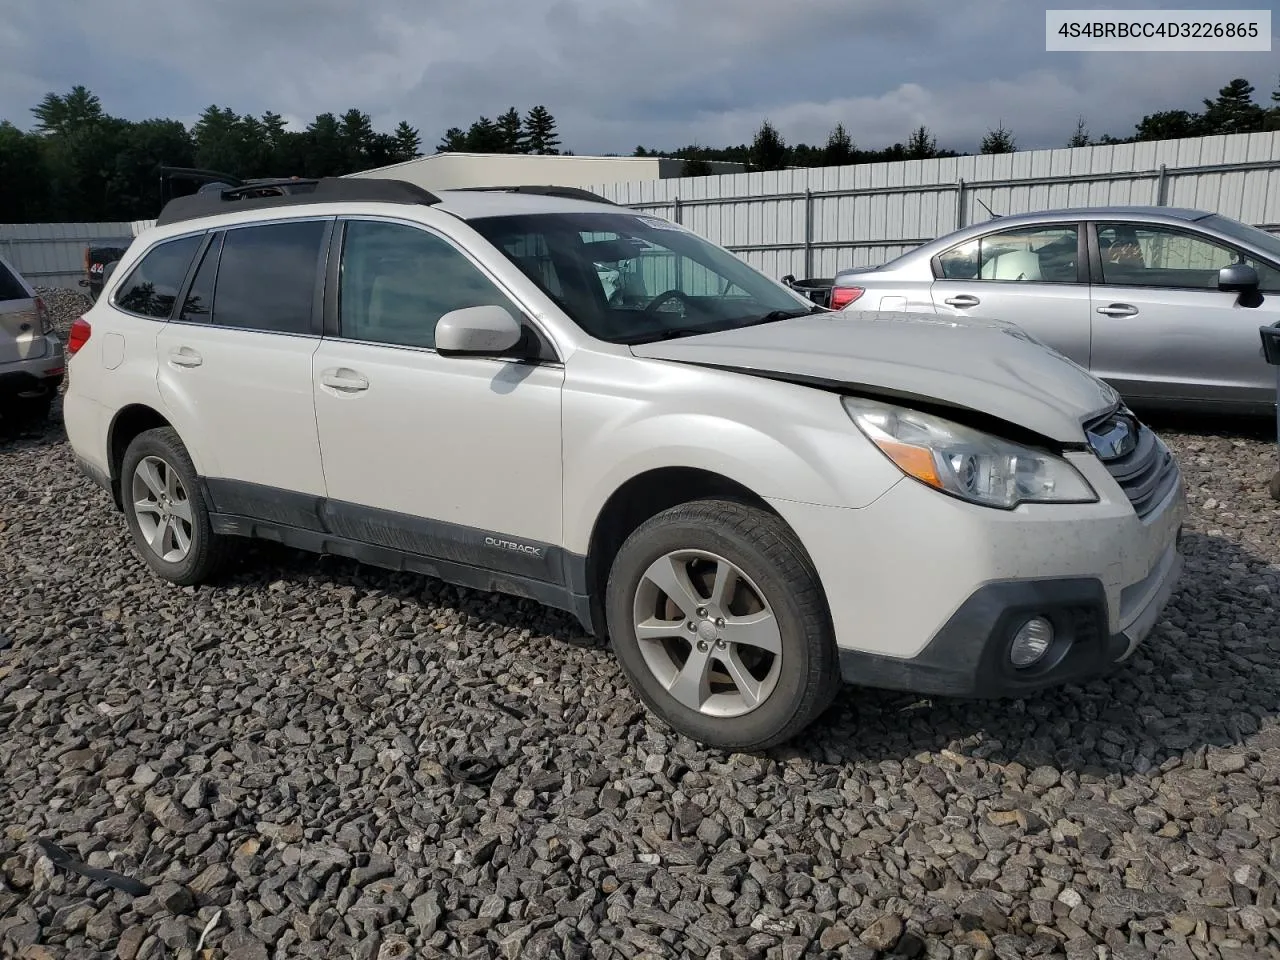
(774, 315)
(670, 333)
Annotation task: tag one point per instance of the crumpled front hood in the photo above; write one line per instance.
(990, 367)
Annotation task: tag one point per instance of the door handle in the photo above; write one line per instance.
(185, 357)
(963, 300)
(348, 381)
(1118, 310)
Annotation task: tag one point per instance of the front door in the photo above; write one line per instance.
(449, 457)
(1032, 276)
(1162, 330)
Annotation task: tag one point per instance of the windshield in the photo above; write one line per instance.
(627, 278)
(1266, 242)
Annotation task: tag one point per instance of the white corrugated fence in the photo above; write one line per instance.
(812, 222)
(52, 254)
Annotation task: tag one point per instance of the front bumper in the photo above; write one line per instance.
(926, 591)
(970, 655)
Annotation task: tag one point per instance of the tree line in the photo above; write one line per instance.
(1232, 111)
(81, 163)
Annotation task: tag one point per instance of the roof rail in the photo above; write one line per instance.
(568, 193)
(324, 190)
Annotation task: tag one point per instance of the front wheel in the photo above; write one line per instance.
(719, 622)
(166, 512)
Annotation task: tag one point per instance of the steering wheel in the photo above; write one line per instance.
(660, 299)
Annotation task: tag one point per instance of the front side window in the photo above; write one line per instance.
(266, 277)
(1041, 254)
(152, 286)
(1155, 256)
(626, 278)
(397, 281)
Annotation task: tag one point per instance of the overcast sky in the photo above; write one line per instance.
(615, 73)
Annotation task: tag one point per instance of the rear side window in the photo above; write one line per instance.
(152, 286)
(10, 288)
(266, 277)
(1041, 254)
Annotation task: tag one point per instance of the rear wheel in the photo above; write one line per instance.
(718, 620)
(165, 511)
(34, 411)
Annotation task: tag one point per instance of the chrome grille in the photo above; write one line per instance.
(1138, 460)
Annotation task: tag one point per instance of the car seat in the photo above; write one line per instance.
(1015, 265)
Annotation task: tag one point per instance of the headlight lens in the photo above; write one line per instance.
(967, 463)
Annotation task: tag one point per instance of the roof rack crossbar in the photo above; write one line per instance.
(325, 190)
(545, 190)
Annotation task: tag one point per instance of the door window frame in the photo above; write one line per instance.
(1098, 278)
(202, 235)
(315, 324)
(1082, 253)
(331, 323)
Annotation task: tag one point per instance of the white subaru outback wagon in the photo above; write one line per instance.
(754, 499)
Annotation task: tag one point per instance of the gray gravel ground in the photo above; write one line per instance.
(271, 757)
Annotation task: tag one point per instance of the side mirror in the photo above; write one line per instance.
(1238, 278)
(487, 331)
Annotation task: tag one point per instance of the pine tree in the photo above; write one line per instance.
(1234, 111)
(998, 140)
(273, 124)
(484, 137)
(768, 150)
(57, 114)
(511, 130)
(922, 145)
(540, 132)
(839, 150)
(453, 141)
(1081, 137)
(405, 142)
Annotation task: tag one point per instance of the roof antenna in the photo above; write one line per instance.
(994, 216)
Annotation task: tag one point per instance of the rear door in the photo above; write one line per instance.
(235, 367)
(1034, 276)
(20, 334)
(1162, 330)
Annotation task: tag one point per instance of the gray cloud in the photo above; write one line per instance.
(616, 73)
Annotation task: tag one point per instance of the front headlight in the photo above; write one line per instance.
(967, 463)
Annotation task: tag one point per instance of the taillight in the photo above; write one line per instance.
(841, 297)
(78, 335)
(42, 316)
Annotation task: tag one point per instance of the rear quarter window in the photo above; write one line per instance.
(151, 289)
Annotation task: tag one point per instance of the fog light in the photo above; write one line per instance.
(1031, 642)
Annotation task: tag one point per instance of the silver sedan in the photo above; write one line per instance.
(1164, 304)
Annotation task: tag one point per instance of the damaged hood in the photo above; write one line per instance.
(990, 367)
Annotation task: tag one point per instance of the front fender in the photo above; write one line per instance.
(781, 441)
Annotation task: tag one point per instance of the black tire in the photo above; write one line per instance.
(33, 412)
(209, 552)
(1274, 487)
(771, 556)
